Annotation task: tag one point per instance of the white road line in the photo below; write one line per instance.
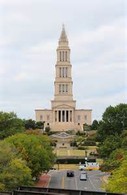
(76, 186)
(92, 184)
(63, 182)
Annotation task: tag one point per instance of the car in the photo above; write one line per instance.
(70, 173)
(83, 176)
(82, 167)
(52, 168)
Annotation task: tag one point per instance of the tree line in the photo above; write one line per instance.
(24, 152)
(112, 138)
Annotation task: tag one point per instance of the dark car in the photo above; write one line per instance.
(70, 173)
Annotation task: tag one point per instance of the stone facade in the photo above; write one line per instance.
(63, 114)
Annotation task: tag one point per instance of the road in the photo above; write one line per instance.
(58, 179)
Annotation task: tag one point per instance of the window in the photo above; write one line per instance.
(78, 117)
(66, 72)
(60, 72)
(85, 117)
(48, 117)
(63, 88)
(66, 88)
(63, 56)
(41, 118)
(60, 88)
(60, 55)
(66, 55)
(63, 72)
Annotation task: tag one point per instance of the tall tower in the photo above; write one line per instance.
(63, 80)
(63, 103)
(63, 114)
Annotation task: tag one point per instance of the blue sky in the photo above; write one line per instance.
(30, 30)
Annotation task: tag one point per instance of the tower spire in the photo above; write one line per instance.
(63, 36)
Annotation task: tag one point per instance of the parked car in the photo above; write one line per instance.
(82, 167)
(70, 173)
(83, 176)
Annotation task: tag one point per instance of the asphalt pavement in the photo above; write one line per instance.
(59, 179)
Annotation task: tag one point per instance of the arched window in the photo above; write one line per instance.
(60, 90)
(63, 56)
(66, 55)
(66, 88)
(60, 55)
(59, 72)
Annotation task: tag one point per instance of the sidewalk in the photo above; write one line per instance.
(43, 181)
(105, 178)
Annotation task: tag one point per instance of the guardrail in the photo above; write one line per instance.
(23, 190)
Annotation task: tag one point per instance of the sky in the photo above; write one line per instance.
(29, 34)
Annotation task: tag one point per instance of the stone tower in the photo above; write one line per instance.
(63, 114)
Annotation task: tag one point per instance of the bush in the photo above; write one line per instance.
(80, 133)
(89, 143)
(82, 148)
(70, 161)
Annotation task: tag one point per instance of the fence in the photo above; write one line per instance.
(23, 190)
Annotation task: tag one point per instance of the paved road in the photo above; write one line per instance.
(59, 179)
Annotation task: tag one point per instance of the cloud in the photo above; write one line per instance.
(28, 43)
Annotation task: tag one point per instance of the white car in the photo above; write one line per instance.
(83, 176)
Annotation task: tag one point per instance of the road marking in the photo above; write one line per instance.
(92, 184)
(76, 186)
(62, 182)
(49, 181)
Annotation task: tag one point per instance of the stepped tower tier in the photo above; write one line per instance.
(63, 80)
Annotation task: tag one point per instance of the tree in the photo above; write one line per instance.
(110, 144)
(114, 160)
(30, 124)
(114, 121)
(40, 125)
(13, 170)
(95, 125)
(16, 174)
(116, 117)
(10, 124)
(86, 127)
(124, 139)
(47, 129)
(118, 180)
(35, 150)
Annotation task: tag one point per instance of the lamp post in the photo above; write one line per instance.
(85, 155)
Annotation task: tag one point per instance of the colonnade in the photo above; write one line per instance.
(63, 115)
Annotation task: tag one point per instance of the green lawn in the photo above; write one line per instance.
(73, 152)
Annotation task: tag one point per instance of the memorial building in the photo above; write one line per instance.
(63, 114)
